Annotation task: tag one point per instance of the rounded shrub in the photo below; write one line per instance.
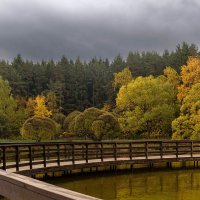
(96, 124)
(39, 128)
(69, 120)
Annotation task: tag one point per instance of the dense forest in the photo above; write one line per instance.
(98, 88)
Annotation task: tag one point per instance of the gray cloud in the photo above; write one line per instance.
(87, 28)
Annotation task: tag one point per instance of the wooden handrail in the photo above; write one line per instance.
(94, 142)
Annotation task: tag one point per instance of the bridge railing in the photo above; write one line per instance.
(17, 155)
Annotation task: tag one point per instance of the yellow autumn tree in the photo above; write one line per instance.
(187, 125)
(190, 75)
(122, 78)
(146, 107)
(172, 77)
(30, 107)
(40, 109)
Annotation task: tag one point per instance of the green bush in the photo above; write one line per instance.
(59, 118)
(95, 124)
(69, 120)
(39, 128)
(4, 125)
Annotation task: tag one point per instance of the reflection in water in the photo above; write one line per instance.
(153, 185)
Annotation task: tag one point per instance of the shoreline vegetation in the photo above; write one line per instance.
(147, 95)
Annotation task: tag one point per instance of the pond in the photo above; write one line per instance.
(137, 185)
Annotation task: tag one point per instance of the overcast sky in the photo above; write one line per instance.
(46, 29)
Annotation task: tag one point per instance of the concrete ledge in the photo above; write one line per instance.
(18, 187)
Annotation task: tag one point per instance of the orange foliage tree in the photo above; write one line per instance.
(190, 75)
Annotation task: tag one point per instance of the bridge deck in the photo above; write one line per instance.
(82, 163)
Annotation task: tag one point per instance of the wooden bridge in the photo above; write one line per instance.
(35, 158)
(32, 158)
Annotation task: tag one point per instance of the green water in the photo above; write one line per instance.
(145, 185)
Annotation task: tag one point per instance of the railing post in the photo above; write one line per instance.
(58, 154)
(44, 155)
(30, 157)
(161, 149)
(83, 152)
(130, 150)
(73, 156)
(97, 151)
(146, 150)
(1, 155)
(86, 152)
(176, 149)
(17, 158)
(69, 153)
(4, 158)
(65, 152)
(101, 152)
(33, 154)
(191, 148)
(48, 157)
(115, 151)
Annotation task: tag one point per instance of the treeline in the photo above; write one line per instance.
(34, 95)
(79, 85)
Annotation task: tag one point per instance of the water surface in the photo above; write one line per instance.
(143, 185)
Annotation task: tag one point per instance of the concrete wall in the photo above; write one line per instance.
(18, 187)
